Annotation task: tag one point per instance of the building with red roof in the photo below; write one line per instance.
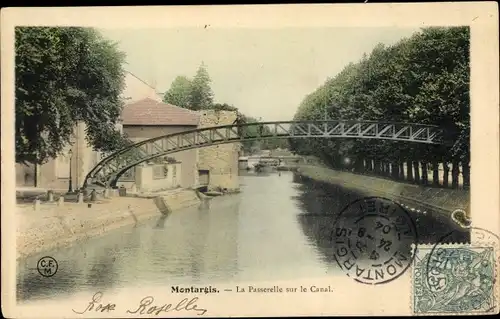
(144, 116)
(149, 112)
(148, 118)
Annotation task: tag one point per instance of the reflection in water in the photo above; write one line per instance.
(278, 228)
(181, 248)
(255, 174)
(160, 224)
(322, 203)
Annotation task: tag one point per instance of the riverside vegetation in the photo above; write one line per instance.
(421, 79)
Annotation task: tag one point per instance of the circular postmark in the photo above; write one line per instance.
(47, 266)
(374, 240)
(479, 234)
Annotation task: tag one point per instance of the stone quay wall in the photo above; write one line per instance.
(438, 199)
(220, 160)
(53, 226)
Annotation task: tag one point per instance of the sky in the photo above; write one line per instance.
(265, 73)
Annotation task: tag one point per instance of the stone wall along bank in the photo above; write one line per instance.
(60, 226)
(439, 199)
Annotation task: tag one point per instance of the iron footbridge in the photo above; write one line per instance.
(107, 172)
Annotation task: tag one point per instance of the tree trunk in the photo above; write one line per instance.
(376, 165)
(425, 177)
(416, 171)
(454, 174)
(466, 173)
(401, 170)
(409, 171)
(395, 170)
(370, 165)
(35, 178)
(360, 167)
(337, 162)
(446, 174)
(435, 173)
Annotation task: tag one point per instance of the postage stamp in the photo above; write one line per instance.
(455, 279)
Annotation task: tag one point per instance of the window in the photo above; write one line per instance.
(160, 171)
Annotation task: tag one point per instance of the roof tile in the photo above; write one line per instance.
(150, 112)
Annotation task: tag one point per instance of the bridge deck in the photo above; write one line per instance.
(107, 172)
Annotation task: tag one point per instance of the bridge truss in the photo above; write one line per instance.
(107, 172)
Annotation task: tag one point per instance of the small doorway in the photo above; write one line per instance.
(26, 175)
(204, 176)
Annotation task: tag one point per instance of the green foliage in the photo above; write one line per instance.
(250, 146)
(201, 96)
(65, 75)
(267, 144)
(179, 92)
(272, 144)
(196, 94)
(223, 107)
(422, 79)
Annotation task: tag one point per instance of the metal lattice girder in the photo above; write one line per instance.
(108, 170)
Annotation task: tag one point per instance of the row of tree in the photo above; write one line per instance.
(196, 94)
(421, 79)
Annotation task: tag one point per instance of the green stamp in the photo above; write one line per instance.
(454, 280)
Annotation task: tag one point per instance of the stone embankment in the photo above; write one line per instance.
(437, 199)
(53, 226)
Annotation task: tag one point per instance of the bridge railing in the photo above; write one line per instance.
(110, 168)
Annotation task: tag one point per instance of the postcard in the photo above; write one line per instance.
(264, 160)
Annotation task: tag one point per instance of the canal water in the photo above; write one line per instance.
(274, 230)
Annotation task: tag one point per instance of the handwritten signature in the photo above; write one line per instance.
(145, 306)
